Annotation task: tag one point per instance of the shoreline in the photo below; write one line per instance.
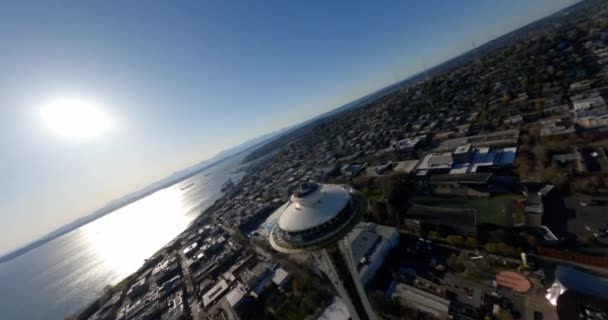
(109, 289)
(82, 221)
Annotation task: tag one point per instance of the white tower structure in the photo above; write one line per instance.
(316, 219)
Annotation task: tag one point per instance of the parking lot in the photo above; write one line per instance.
(589, 218)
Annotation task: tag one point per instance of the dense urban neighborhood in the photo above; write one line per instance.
(486, 187)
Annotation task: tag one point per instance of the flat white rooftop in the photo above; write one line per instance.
(335, 311)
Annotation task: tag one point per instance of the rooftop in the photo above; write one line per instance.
(364, 243)
(280, 276)
(407, 143)
(335, 311)
(436, 161)
(567, 157)
(214, 293)
(463, 149)
(500, 138)
(405, 166)
(312, 207)
(236, 295)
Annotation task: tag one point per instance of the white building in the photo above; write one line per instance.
(436, 162)
(335, 311)
(594, 106)
(237, 295)
(424, 301)
(407, 144)
(215, 293)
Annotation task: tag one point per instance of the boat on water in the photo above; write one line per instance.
(188, 186)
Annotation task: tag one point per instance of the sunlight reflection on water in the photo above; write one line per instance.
(64, 275)
(125, 240)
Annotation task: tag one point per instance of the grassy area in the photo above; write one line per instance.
(373, 195)
(496, 210)
(290, 308)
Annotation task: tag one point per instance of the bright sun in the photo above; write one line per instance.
(74, 118)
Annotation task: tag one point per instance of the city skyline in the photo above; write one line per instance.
(51, 179)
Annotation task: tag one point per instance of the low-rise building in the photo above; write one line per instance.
(467, 184)
(166, 271)
(138, 288)
(569, 161)
(555, 127)
(436, 162)
(513, 120)
(436, 306)
(280, 277)
(335, 311)
(405, 166)
(595, 106)
(370, 245)
(215, 293)
(176, 309)
(580, 85)
(407, 145)
(237, 296)
(507, 138)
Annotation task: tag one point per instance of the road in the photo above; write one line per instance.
(588, 218)
(595, 269)
(192, 297)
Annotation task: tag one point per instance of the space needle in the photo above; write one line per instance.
(316, 220)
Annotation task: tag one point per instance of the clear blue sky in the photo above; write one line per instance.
(182, 80)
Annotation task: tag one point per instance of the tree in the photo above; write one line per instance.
(589, 185)
(455, 264)
(497, 235)
(558, 178)
(471, 243)
(531, 240)
(378, 211)
(524, 161)
(396, 194)
(525, 139)
(433, 235)
(490, 247)
(502, 248)
(506, 250)
(454, 240)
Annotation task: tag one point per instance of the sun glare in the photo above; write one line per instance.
(74, 118)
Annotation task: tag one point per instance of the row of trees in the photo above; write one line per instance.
(502, 249)
(455, 240)
(534, 161)
(387, 198)
(501, 241)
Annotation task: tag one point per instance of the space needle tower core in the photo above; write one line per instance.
(316, 220)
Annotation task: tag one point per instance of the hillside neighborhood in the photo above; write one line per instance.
(486, 188)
